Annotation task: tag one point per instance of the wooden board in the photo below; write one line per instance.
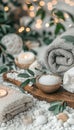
(61, 94)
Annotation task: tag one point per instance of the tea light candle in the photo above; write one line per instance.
(26, 58)
(49, 79)
(3, 92)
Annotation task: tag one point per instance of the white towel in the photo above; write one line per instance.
(68, 80)
(59, 55)
(13, 103)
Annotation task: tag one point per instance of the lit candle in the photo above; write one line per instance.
(3, 92)
(26, 58)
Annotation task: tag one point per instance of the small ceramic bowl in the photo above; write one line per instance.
(48, 88)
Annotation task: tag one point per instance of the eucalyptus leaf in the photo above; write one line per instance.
(30, 72)
(10, 56)
(2, 46)
(3, 70)
(3, 29)
(56, 111)
(58, 28)
(57, 106)
(51, 108)
(3, 58)
(56, 103)
(64, 105)
(68, 38)
(25, 83)
(24, 75)
(61, 108)
(22, 90)
(33, 80)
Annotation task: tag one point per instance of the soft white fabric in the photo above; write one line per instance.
(68, 80)
(59, 55)
(14, 103)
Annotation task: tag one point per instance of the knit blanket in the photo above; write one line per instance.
(13, 103)
(59, 56)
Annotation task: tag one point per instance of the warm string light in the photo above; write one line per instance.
(47, 25)
(31, 8)
(38, 24)
(27, 29)
(32, 14)
(54, 2)
(41, 3)
(34, 0)
(49, 6)
(6, 8)
(27, 1)
(70, 2)
(21, 29)
(66, 15)
(24, 7)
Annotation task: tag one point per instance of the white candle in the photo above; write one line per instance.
(49, 79)
(26, 58)
(3, 92)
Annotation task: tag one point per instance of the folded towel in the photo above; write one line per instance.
(59, 56)
(13, 103)
(68, 80)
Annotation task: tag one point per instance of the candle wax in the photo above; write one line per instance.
(26, 57)
(3, 92)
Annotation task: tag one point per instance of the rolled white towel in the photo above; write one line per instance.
(68, 80)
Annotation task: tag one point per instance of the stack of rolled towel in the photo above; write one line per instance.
(59, 56)
(59, 59)
(13, 103)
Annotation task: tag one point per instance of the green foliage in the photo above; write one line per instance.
(24, 75)
(41, 12)
(25, 83)
(57, 107)
(3, 16)
(6, 67)
(43, 70)
(3, 69)
(69, 38)
(31, 72)
(3, 53)
(58, 28)
(29, 76)
(58, 13)
(9, 24)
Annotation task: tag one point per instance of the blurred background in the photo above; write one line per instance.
(37, 22)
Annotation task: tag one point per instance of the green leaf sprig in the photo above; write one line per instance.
(57, 107)
(68, 38)
(6, 67)
(29, 76)
(3, 53)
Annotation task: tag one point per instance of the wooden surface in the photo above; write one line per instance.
(61, 94)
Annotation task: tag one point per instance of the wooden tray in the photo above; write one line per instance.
(61, 94)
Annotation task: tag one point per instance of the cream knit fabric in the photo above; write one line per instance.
(13, 103)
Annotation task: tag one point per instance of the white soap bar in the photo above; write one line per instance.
(26, 57)
(49, 79)
(68, 80)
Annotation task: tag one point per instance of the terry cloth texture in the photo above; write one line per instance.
(13, 103)
(59, 56)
